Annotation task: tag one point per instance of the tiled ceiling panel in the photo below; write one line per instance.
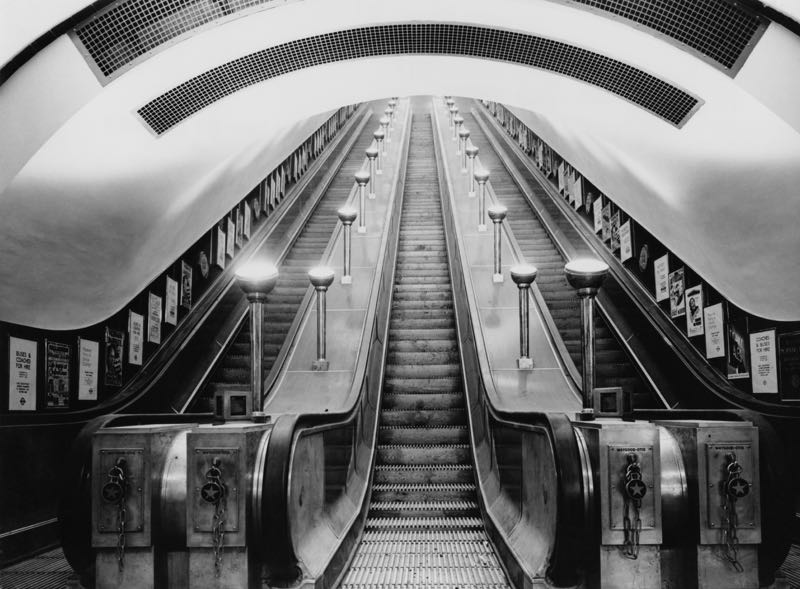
(647, 91)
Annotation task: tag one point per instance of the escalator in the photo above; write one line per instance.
(284, 301)
(424, 526)
(613, 366)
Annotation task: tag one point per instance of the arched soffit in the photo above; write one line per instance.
(149, 197)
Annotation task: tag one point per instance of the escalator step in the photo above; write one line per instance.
(423, 473)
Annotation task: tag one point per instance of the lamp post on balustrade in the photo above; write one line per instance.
(453, 113)
(458, 120)
(386, 132)
(450, 104)
(472, 153)
(379, 135)
(587, 275)
(347, 215)
(497, 213)
(463, 136)
(321, 278)
(523, 276)
(362, 179)
(482, 176)
(372, 156)
(257, 279)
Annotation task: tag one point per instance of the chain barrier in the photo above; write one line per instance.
(115, 491)
(214, 492)
(735, 487)
(635, 490)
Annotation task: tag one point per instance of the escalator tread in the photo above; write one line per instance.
(423, 527)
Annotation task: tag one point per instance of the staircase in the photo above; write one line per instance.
(424, 528)
(284, 301)
(612, 365)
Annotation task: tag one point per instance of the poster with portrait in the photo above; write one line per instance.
(789, 365)
(715, 331)
(606, 234)
(694, 311)
(577, 192)
(230, 239)
(239, 228)
(186, 285)
(597, 209)
(88, 359)
(661, 268)
(203, 265)
(248, 221)
(625, 242)
(738, 362)
(135, 338)
(154, 314)
(677, 294)
(763, 358)
(21, 374)
(171, 301)
(115, 344)
(256, 204)
(588, 203)
(219, 258)
(615, 231)
(58, 359)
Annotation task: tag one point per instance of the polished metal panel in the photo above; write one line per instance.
(203, 511)
(172, 504)
(674, 489)
(136, 477)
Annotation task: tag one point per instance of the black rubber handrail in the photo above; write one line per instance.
(573, 532)
(277, 546)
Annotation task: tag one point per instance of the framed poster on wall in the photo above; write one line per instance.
(789, 365)
(219, 258)
(715, 331)
(694, 311)
(615, 231)
(597, 209)
(21, 374)
(186, 285)
(677, 293)
(738, 364)
(154, 315)
(661, 269)
(58, 359)
(171, 302)
(115, 345)
(625, 242)
(763, 359)
(135, 338)
(88, 359)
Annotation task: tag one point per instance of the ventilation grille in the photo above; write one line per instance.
(716, 28)
(130, 29)
(649, 92)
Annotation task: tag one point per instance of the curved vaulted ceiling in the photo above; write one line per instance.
(95, 200)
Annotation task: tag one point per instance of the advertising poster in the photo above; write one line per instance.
(715, 331)
(606, 235)
(203, 264)
(677, 298)
(789, 365)
(154, 319)
(661, 267)
(57, 369)
(115, 342)
(694, 311)
(764, 361)
(171, 302)
(239, 228)
(219, 259)
(738, 365)
(561, 182)
(135, 338)
(578, 192)
(186, 285)
(256, 204)
(230, 240)
(540, 155)
(88, 359)
(588, 203)
(615, 231)
(248, 221)
(21, 374)
(625, 243)
(597, 208)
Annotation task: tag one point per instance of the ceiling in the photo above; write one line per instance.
(92, 200)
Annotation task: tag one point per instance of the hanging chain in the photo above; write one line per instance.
(735, 488)
(635, 490)
(115, 492)
(214, 492)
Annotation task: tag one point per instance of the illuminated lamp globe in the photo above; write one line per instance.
(586, 273)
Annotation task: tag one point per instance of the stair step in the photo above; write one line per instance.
(424, 523)
(422, 385)
(423, 417)
(390, 492)
(443, 434)
(423, 473)
(424, 454)
(426, 371)
(422, 401)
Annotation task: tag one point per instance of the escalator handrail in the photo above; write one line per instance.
(572, 541)
(276, 523)
(687, 353)
(147, 378)
(649, 371)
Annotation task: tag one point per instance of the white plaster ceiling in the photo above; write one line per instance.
(93, 205)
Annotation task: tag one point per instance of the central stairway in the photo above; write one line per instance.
(424, 528)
